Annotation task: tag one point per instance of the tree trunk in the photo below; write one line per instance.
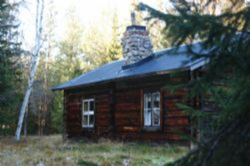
(25, 124)
(45, 113)
(34, 64)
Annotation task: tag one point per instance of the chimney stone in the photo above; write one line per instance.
(136, 43)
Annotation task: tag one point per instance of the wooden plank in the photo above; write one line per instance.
(123, 107)
(176, 130)
(162, 110)
(170, 122)
(102, 122)
(142, 109)
(125, 122)
(175, 114)
(127, 129)
(130, 115)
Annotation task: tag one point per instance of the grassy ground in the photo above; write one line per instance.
(51, 151)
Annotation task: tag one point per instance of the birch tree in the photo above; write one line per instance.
(34, 64)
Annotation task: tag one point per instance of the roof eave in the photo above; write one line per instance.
(123, 78)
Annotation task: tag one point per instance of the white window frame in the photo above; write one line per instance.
(247, 2)
(148, 96)
(87, 113)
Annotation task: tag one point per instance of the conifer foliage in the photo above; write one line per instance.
(9, 68)
(226, 80)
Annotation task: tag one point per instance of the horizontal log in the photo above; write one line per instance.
(102, 116)
(74, 104)
(102, 129)
(74, 111)
(102, 123)
(175, 114)
(126, 93)
(74, 116)
(185, 129)
(74, 100)
(102, 111)
(127, 107)
(102, 106)
(124, 122)
(127, 98)
(76, 123)
(127, 129)
(128, 114)
(180, 92)
(176, 122)
(102, 101)
(102, 96)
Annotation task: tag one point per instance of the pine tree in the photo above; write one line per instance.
(10, 76)
(226, 39)
(114, 51)
(102, 44)
(70, 48)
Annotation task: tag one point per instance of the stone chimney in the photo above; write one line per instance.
(136, 43)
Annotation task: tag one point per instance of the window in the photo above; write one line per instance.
(152, 109)
(247, 2)
(88, 108)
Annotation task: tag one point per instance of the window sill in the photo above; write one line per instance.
(151, 128)
(87, 127)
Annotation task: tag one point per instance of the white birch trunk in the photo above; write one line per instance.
(34, 64)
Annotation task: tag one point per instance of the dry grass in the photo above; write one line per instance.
(51, 151)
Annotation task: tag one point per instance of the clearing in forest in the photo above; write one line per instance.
(51, 150)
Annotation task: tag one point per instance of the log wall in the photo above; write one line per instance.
(119, 109)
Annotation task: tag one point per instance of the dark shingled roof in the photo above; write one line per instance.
(161, 62)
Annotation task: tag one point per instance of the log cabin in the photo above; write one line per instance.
(126, 99)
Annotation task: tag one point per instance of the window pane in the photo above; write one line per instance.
(156, 117)
(85, 120)
(147, 109)
(156, 104)
(91, 120)
(147, 117)
(156, 100)
(91, 107)
(147, 101)
(149, 104)
(156, 96)
(85, 106)
(88, 112)
(152, 109)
